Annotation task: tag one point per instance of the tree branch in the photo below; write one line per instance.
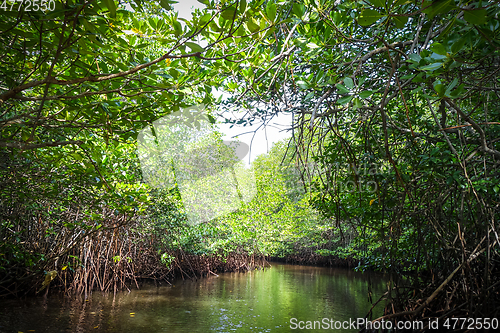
(484, 145)
(25, 146)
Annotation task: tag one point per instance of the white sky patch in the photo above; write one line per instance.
(186, 7)
(259, 137)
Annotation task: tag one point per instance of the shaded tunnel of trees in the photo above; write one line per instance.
(392, 165)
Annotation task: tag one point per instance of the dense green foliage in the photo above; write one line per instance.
(278, 219)
(393, 159)
(396, 109)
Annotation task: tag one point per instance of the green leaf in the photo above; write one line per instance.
(88, 26)
(400, 21)
(357, 103)
(368, 17)
(450, 87)
(271, 10)
(401, 2)
(455, 64)
(299, 10)
(378, 3)
(309, 96)
(243, 6)
(111, 7)
(477, 16)
(365, 94)
(439, 7)
(152, 23)
(344, 100)
(415, 57)
(195, 47)
(252, 26)
(438, 48)
(337, 17)
(303, 84)
(457, 92)
(437, 57)
(177, 28)
(342, 89)
(77, 156)
(165, 4)
(312, 45)
(25, 135)
(432, 67)
(448, 28)
(439, 87)
(228, 14)
(349, 82)
(458, 45)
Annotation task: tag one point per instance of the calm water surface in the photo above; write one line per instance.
(258, 301)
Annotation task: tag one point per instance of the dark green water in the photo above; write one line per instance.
(258, 301)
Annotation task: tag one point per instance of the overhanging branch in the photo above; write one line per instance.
(27, 146)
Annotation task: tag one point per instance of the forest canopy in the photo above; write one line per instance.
(393, 161)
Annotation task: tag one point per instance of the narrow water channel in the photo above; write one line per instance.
(258, 301)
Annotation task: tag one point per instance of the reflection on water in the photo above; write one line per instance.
(258, 301)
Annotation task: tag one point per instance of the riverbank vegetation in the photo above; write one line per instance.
(392, 163)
